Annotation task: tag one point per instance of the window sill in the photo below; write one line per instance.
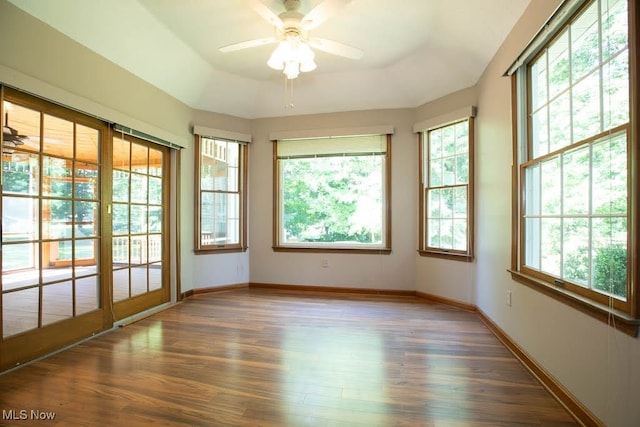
(220, 249)
(617, 319)
(381, 251)
(446, 255)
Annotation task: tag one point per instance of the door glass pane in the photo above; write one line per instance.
(155, 191)
(86, 216)
(120, 186)
(155, 162)
(57, 302)
(155, 247)
(120, 218)
(20, 174)
(155, 276)
(56, 218)
(155, 219)
(20, 265)
(139, 158)
(19, 219)
(139, 250)
(138, 219)
(85, 250)
(139, 280)
(138, 188)
(24, 121)
(87, 141)
(87, 295)
(56, 179)
(120, 251)
(19, 311)
(57, 137)
(85, 181)
(120, 284)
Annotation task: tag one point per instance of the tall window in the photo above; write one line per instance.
(333, 193)
(576, 190)
(220, 204)
(447, 190)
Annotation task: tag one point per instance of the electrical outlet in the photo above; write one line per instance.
(508, 298)
(325, 263)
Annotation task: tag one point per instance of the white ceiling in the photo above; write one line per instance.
(415, 51)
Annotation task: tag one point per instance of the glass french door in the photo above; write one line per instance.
(84, 227)
(140, 190)
(52, 236)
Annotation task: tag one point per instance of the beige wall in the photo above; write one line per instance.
(394, 271)
(596, 363)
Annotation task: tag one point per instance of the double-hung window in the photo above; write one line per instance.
(576, 147)
(446, 190)
(333, 193)
(220, 195)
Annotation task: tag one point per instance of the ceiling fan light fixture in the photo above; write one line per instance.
(279, 56)
(292, 70)
(292, 56)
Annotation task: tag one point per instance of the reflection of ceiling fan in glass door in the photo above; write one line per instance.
(11, 138)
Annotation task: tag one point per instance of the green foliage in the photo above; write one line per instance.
(576, 266)
(610, 270)
(325, 198)
(16, 181)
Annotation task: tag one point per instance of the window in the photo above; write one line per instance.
(221, 195)
(446, 195)
(333, 193)
(576, 222)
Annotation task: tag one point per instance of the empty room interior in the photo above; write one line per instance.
(320, 212)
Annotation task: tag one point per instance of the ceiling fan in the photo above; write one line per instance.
(294, 53)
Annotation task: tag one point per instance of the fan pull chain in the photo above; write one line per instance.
(288, 93)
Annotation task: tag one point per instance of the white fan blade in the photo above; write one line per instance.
(270, 16)
(322, 12)
(248, 44)
(335, 48)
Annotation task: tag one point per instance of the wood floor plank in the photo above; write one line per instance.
(277, 358)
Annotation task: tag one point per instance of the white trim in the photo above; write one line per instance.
(324, 133)
(222, 134)
(445, 119)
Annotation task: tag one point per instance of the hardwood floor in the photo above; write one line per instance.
(258, 357)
